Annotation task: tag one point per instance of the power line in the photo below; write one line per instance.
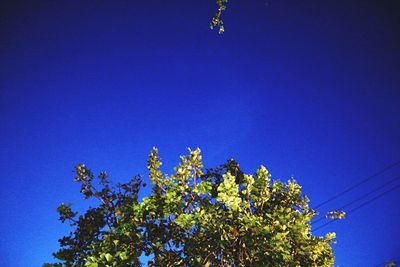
(362, 205)
(362, 196)
(383, 264)
(358, 184)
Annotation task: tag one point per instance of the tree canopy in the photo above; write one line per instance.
(194, 217)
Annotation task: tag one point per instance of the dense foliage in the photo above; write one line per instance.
(220, 217)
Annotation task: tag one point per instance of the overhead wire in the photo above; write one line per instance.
(385, 263)
(358, 184)
(360, 206)
(362, 197)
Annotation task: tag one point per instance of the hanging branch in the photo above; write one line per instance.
(216, 21)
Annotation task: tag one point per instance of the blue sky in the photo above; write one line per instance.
(308, 88)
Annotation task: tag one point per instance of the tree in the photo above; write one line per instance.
(220, 217)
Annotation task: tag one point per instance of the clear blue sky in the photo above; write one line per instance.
(308, 88)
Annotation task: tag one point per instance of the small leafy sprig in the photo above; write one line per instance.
(216, 21)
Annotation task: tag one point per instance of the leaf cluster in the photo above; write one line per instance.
(216, 21)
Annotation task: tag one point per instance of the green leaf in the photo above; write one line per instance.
(108, 257)
(123, 256)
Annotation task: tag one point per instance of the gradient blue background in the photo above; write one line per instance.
(308, 88)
